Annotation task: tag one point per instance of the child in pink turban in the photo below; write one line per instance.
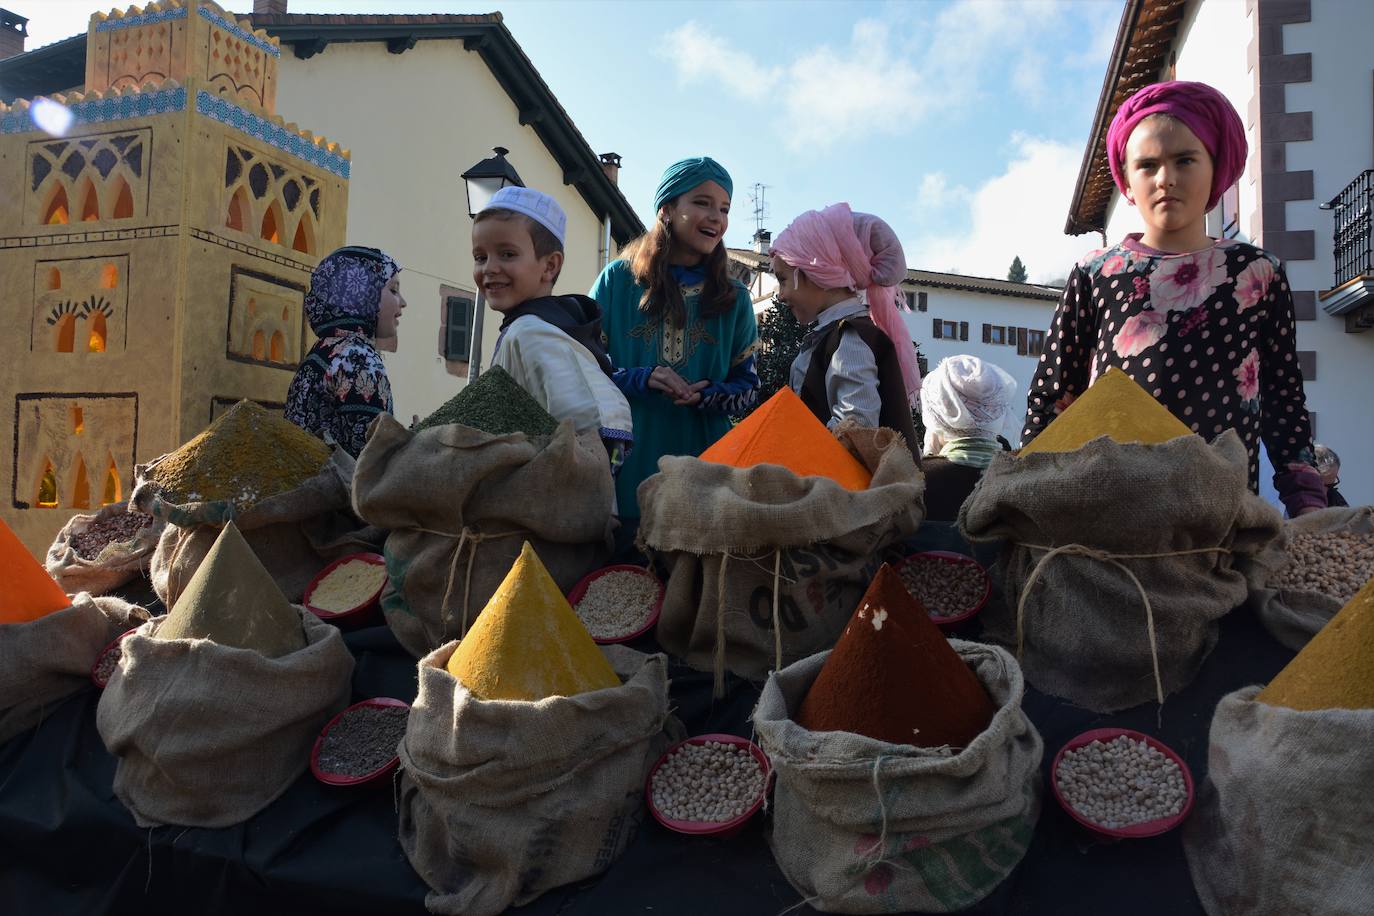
(838, 270)
(1205, 325)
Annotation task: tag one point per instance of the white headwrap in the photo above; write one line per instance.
(965, 397)
(537, 205)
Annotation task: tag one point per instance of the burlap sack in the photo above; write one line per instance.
(50, 658)
(459, 503)
(1094, 535)
(1282, 821)
(208, 736)
(295, 534)
(117, 562)
(745, 544)
(863, 826)
(502, 800)
(1294, 615)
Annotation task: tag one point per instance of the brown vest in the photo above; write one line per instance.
(895, 412)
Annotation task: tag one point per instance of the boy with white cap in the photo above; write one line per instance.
(551, 345)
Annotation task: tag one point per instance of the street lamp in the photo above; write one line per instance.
(487, 177)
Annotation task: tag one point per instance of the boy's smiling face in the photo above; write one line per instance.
(504, 266)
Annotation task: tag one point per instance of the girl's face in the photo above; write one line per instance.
(1169, 175)
(392, 304)
(698, 220)
(797, 292)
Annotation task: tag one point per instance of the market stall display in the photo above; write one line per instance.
(495, 404)
(1114, 406)
(98, 553)
(951, 587)
(708, 785)
(358, 746)
(1122, 784)
(346, 591)
(617, 603)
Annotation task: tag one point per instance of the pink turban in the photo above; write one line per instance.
(838, 248)
(1207, 114)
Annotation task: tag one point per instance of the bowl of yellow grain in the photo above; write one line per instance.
(347, 591)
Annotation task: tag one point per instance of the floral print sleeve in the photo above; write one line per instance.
(1063, 372)
(339, 390)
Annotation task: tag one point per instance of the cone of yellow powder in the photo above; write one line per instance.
(528, 643)
(233, 601)
(1336, 669)
(27, 592)
(1116, 407)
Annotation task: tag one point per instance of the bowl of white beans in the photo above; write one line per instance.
(708, 785)
(617, 603)
(1122, 784)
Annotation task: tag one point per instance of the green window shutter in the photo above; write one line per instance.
(458, 320)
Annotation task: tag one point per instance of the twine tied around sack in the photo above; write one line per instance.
(778, 577)
(1103, 556)
(465, 537)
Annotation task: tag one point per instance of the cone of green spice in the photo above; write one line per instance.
(245, 456)
(232, 601)
(496, 405)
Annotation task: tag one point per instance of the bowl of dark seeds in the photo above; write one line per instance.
(708, 785)
(1122, 784)
(108, 660)
(117, 528)
(618, 603)
(359, 744)
(950, 586)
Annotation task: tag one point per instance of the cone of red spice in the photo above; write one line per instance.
(893, 677)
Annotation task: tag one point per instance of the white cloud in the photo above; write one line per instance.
(1020, 212)
(700, 55)
(936, 194)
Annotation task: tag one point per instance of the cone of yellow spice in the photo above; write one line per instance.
(1114, 406)
(27, 592)
(784, 431)
(1336, 669)
(528, 643)
(233, 601)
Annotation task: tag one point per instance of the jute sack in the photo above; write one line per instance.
(501, 800)
(1294, 615)
(117, 562)
(863, 826)
(50, 658)
(1119, 561)
(459, 502)
(207, 735)
(1282, 820)
(766, 567)
(295, 534)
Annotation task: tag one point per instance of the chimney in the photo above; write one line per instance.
(13, 31)
(269, 7)
(762, 241)
(610, 164)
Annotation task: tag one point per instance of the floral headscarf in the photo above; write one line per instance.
(346, 290)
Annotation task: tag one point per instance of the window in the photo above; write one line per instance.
(946, 330)
(1035, 343)
(921, 303)
(458, 319)
(996, 334)
(1307, 364)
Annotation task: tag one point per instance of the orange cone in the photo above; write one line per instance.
(29, 592)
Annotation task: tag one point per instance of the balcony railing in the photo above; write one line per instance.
(1353, 228)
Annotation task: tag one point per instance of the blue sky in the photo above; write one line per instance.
(960, 122)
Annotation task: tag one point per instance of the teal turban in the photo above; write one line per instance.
(685, 174)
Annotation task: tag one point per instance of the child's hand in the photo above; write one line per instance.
(670, 383)
(694, 394)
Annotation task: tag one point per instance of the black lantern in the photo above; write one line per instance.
(487, 177)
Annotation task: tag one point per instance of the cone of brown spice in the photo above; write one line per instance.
(893, 677)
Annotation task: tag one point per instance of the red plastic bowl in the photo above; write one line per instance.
(1135, 831)
(339, 779)
(710, 828)
(355, 616)
(580, 589)
(949, 556)
(114, 642)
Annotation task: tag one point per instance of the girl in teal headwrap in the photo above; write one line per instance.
(680, 329)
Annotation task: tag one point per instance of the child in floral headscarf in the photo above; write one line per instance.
(1205, 325)
(341, 385)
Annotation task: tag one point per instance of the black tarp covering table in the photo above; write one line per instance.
(67, 845)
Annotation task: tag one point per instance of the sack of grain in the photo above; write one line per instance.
(1300, 581)
(207, 735)
(459, 502)
(863, 826)
(44, 660)
(98, 553)
(1281, 823)
(741, 542)
(1088, 531)
(502, 800)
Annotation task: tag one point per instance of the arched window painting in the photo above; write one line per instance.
(259, 345)
(271, 225)
(56, 212)
(81, 489)
(124, 199)
(90, 202)
(238, 211)
(66, 333)
(47, 487)
(54, 278)
(109, 276)
(278, 350)
(113, 487)
(96, 343)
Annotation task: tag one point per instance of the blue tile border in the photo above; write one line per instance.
(98, 111)
(226, 112)
(132, 22)
(237, 31)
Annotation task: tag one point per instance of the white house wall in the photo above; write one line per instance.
(977, 309)
(414, 122)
